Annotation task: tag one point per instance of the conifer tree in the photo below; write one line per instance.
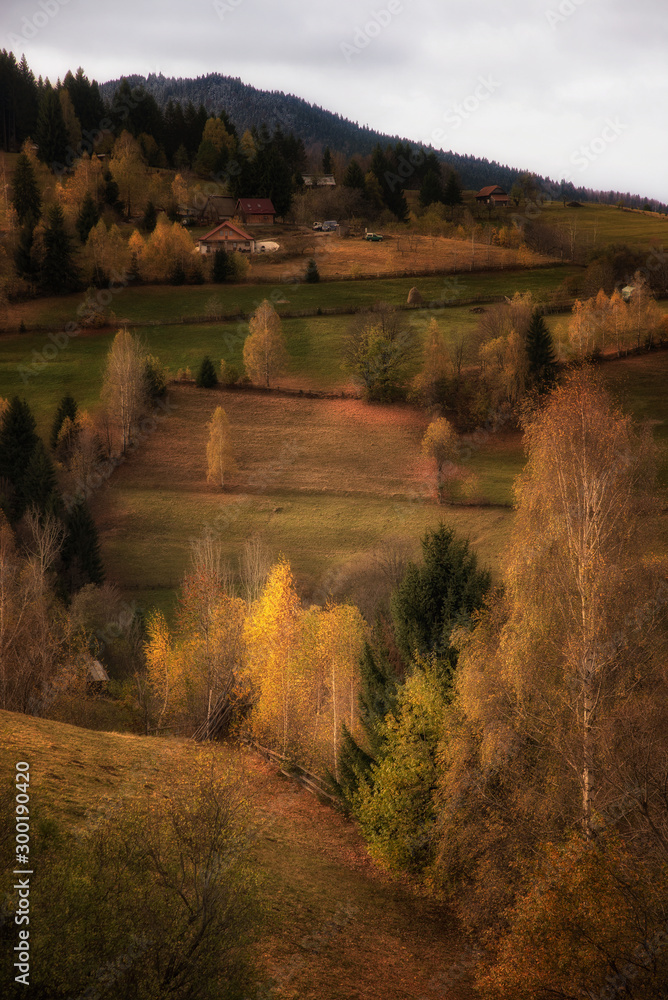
(431, 189)
(23, 258)
(312, 275)
(40, 485)
(540, 352)
(354, 176)
(17, 443)
(25, 191)
(452, 194)
(206, 376)
(150, 218)
(58, 272)
(437, 596)
(223, 267)
(327, 161)
(81, 551)
(88, 217)
(67, 407)
(50, 132)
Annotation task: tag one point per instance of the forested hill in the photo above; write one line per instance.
(247, 106)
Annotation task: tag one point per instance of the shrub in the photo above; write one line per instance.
(229, 374)
(312, 275)
(206, 376)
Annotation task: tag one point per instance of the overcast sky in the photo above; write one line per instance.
(575, 88)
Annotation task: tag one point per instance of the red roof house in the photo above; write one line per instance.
(255, 211)
(226, 236)
(492, 195)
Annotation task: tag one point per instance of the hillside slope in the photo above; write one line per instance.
(337, 926)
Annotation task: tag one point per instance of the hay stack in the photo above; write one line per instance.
(414, 297)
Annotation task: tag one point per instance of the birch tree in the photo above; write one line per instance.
(123, 387)
(219, 457)
(264, 353)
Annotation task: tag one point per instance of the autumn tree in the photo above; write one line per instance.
(124, 386)
(431, 384)
(219, 455)
(264, 353)
(440, 444)
(128, 171)
(379, 349)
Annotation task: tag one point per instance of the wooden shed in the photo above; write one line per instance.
(255, 211)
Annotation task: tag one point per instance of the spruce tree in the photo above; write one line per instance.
(23, 258)
(312, 273)
(149, 219)
(431, 189)
(81, 550)
(206, 376)
(110, 189)
(88, 217)
(50, 132)
(223, 267)
(40, 485)
(18, 440)
(452, 194)
(436, 596)
(58, 273)
(354, 176)
(540, 352)
(67, 407)
(327, 161)
(25, 191)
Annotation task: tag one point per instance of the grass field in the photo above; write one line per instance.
(325, 482)
(599, 225)
(336, 928)
(150, 303)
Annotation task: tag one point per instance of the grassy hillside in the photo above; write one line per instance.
(337, 928)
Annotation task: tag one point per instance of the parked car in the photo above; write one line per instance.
(317, 227)
(374, 237)
(329, 225)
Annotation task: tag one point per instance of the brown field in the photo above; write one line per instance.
(354, 257)
(336, 926)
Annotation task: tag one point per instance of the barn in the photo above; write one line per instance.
(255, 211)
(492, 195)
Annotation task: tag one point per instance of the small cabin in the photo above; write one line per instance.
(255, 211)
(217, 209)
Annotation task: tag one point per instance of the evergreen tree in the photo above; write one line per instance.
(23, 258)
(50, 132)
(88, 217)
(149, 218)
(391, 186)
(40, 485)
(327, 162)
(312, 275)
(18, 440)
(110, 189)
(354, 176)
(377, 699)
(67, 407)
(206, 376)
(437, 596)
(540, 352)
(223, 268)
(25, 191)
(431, 189)
(81, 550)
(452, 194)
(58, 273)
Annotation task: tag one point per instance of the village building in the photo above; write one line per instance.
(492, 195)
(255, 211)
(318, 180)
(226, 236)
(217, 209)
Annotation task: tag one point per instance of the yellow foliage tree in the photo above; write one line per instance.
(129, 171)
(106, 253)
(440, 443)
(219, 456)
(264, 353)
(438, 368)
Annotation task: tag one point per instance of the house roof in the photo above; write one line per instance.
(223, 203)
(97, 671)
(490, 189)
(226, 225)
(256, 206)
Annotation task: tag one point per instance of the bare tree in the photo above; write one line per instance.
(255, 566)
(46, 538)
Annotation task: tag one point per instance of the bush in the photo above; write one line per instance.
(206, 376)
(157, 901)
(312, 275)
(229, 374)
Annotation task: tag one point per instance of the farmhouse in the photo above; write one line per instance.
(217, 209)
(492, 195)
(226, 236)
(255, 211)
(319, 180)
